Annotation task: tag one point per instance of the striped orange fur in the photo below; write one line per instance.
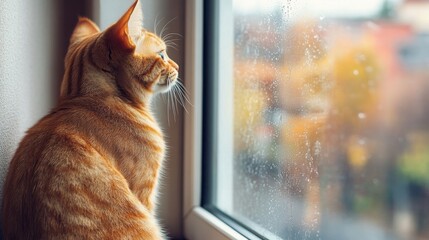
(89, 169)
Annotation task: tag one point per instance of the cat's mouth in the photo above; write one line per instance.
(165, 83)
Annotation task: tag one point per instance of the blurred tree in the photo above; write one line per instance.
(352, 101)
(414, 163)
(353, 95)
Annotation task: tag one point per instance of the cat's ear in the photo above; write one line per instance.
(84, 28)
(127, 31)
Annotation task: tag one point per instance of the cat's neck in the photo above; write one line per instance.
(104, 86)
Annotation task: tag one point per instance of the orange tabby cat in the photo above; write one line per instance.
(89, 169)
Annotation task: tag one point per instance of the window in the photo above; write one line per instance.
(316, 123)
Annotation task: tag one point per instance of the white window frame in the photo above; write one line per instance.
(198, 222)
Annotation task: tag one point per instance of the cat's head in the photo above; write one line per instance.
(125, 59)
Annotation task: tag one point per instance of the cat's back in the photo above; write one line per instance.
(47, 158)
(61, 179)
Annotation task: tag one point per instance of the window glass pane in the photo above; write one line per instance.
(330, 119)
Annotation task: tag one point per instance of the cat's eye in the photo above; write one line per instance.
(162, 55)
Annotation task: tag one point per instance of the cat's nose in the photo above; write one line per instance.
(174, 65)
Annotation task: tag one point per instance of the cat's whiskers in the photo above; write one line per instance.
(175, 109)
(171, 43)
(170, 39)
(168, 105)
(156, 23)
(165, 28)
(172, 34)
(173, 47)
(179, 97)
(184, 93)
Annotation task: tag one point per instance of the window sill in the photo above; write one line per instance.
(201, 224)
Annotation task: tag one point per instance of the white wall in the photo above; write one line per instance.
(26, 79)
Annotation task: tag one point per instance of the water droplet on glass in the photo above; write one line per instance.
(317, 148)
(373, 26)
(362, 115)
(322, 18)
(361, 57)
(355, 72)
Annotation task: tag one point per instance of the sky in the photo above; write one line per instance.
(312, 8)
